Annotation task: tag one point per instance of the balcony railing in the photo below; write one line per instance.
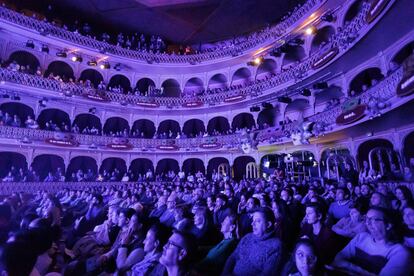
(252, 41)
(258, 87)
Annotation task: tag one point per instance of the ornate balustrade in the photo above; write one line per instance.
(383, 90)
(256, 88)
(27, 135)
(254, 40)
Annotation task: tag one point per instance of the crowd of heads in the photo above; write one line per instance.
(178, 225)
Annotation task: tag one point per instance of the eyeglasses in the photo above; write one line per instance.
(373, 219)
(170, 243)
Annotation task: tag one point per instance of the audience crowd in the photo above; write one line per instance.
(178, 225)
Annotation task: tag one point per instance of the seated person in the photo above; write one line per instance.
(258, 253)
(375, 252)
(30, 123)
(216, 258)
(352, 224)
(408, 231)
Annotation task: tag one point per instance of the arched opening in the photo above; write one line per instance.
(15, 114)
(266, 70)
(193, 128)
(26, 59)
(119, 83)
(143, 128)
(353, 11)
(112, 169)
(218, 126)
(193, 165)
(213, 165)
(270, 162)
(364, 80)
(170, 88)
(61, 69)
(193, 87)
(12, 162)
(333, 162)
(241, 77)
(218, 81)
(91, 75)
(169, 129)
(116, 126)
(87, 124)
(322, 38)
(82, 168)
(239, 167)
(380, 155)
(166, 165)
(403, 54)
(331, 96)
(409, 149)
(267, 117)
(242, 121)
(293, 54)
(54, 119)
(50, 166)
(139, 167)
(301, 165)
(145, 86)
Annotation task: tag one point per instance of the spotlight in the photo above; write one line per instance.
(296, 42)
(117, 67)
(92, 110)
(310, 30)
(306, 92)
(320, 85)
(92, 62)
(267, 105)
(258, 60)
(42, 102)
(15, 97)
(30, 44)
(255, 108)
(267, 164)
(105, 65)
(77, 58)
(45, 49)
(61, 54)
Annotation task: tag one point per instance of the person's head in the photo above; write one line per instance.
(379, 200)
(124, 215)
(211, 201)
(379, 223)
(279, 209)
(229, 225)
(365, 189)
(156, 238)
(356, 211)
(314, 213)
(200, 216)
(305, 256)
(171, 202)
(262, 221)
(252, 203)
(221, 200)
(403, 193)
(178, 250)
(408, 215)
(17, 259)
(286, 194)
(341, 194)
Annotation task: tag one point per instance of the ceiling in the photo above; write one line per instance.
(181, 21)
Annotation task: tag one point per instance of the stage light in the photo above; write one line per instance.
(255, 108)
(61, 54)
(284, 99)
(310, 30)
(30, 44)
(76, 58)
(267, 164)
(45, 49)
(92, 63)
(328, 17)
(306, 92)
(258, 60)
(105, 65)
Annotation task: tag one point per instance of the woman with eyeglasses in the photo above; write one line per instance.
(376, 252)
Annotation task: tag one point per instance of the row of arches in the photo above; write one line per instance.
(45, 163)
(147, 127)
